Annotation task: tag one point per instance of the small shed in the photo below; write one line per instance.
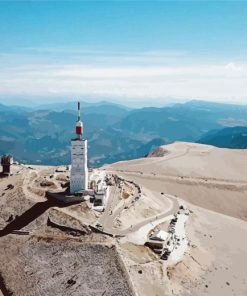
(6, 162)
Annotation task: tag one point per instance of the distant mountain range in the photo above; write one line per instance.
(231, 137)
(115, 132)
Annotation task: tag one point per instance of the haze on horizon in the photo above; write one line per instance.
(124, 51)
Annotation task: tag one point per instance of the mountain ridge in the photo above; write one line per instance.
(113, 132)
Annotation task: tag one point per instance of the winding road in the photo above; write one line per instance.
(115, 205)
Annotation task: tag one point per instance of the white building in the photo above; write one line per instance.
(99, 186)
(160, 235)
(79, 169)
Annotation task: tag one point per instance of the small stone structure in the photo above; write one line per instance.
(6, 162)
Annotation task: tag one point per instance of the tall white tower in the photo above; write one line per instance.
(79, 170)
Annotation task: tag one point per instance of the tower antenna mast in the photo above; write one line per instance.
(79, 111)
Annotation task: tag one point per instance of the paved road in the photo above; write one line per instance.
(112, 213)
(115, 207)
(171, 210)
(111, 203)
(152, 160)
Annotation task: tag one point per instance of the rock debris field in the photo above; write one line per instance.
(48, 266)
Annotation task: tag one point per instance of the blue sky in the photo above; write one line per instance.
(124, 50)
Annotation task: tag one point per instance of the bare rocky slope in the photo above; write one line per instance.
(48, 248)
(213, 184)
(209, 177)
(44, 248)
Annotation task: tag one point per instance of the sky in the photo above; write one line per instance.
(140, 52)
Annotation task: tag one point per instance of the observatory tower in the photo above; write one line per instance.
(79, 170)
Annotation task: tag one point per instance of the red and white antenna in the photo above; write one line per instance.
(79, 125)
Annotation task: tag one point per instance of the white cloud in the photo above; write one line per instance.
(166, 77)
(234, 67)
